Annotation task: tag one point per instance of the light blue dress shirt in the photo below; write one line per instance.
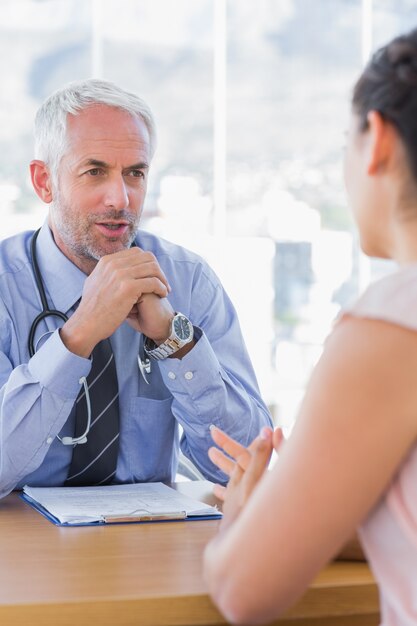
(213, 384)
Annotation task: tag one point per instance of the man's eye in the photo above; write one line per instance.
(95, 171)
(137, 173)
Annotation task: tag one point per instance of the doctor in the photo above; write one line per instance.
(110, 337)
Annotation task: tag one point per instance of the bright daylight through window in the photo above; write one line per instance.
(249, 99)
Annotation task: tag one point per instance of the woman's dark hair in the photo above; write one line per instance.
(388, 85)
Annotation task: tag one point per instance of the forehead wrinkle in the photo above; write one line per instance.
(108, 135)
(139, 159)
(108, 143)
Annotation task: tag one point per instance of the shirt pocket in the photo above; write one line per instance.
(153, 437)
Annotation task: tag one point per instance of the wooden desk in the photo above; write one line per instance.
(142, 575)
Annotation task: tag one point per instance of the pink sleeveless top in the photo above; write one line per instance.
(389, 534)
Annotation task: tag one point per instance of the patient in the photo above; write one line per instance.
(351, 461)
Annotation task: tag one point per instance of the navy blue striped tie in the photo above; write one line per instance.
(94, 462)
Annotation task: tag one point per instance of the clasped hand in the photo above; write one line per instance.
(127, 285)
(244, 466)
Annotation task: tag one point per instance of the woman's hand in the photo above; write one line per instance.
(244, 466)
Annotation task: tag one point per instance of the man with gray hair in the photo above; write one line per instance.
(110, 337)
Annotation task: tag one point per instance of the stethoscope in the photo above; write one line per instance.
(46, 311)
(143, 362)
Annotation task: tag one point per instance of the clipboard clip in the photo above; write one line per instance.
(145, 516)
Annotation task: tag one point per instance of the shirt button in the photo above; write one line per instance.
(188, 375)
(49, 440)
(171, 375)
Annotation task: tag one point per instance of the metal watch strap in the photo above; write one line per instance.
(166, 349)
(174, 342)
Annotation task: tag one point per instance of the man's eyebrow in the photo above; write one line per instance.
(97, 163)
(138, 166)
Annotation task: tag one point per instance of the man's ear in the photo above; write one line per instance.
(41, 180)
(382, 138)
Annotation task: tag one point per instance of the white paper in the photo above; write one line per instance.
(78, 505)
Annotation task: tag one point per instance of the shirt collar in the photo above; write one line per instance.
(63, 281)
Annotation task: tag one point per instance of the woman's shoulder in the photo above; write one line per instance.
(392, 298)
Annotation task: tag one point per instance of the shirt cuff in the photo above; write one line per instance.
(57, 369)
(195, 372)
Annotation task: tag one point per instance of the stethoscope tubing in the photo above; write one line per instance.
(144, 364)
(46, 311)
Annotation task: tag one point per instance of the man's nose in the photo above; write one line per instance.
(116, 195)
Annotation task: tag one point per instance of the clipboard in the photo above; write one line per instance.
(136, 516)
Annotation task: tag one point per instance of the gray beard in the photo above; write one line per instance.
(86, 248)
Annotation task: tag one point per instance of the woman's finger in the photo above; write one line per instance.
(219, 491)
(239, 453)
(229, 445)
(277, 439)
(221, 460)
(259, 462)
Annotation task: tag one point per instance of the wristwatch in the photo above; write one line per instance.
(182, 332)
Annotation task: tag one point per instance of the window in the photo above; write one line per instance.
(251, 102)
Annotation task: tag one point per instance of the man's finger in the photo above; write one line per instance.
(151, 285)
(136, 263)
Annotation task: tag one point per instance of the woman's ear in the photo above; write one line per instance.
(381, 137)
(41, 180)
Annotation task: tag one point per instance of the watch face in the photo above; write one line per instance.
(182, 327)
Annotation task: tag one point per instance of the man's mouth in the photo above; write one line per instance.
(115, 228)
(112, 226)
